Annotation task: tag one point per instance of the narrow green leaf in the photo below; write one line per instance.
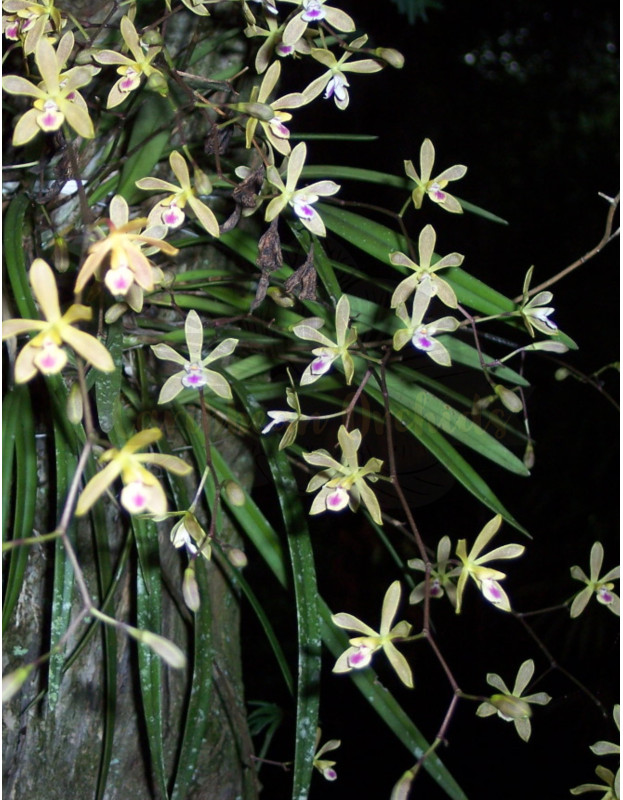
(148, 139)
(108, 384)
(15, 224)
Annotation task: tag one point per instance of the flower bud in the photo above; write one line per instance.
(393, 57)
(168, 652)
(61, 254)
(279, 297)
(114, 312)
(511, 707)
(75, 408)
(190, 589)
(528, 456)
(158, 83)
(509, 399)
(561, 374)
(152, 37)
(234, 494)
(258, 110)
(13, 682)
(237, 558)
(202, 182)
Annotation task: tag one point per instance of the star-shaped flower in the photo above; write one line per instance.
(291, 417)
(301, 200)
(313, 11)
(329, 351)
(43, 352)
(194, 374)
(362, 648)
(422, 336)
(434, 187)
(600, 587)
(274, 129)
(485, 578)
(122, 249)
(32, 21)
(535, 312)
(343, 484)
(334, 81)
(170, 210)
(425, 274)
(513, 706)
(56, 97)
(322, 765)
(607, 787)
(442, 580)
(132, 70)
(142, 491)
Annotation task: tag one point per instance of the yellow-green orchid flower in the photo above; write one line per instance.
(424, 275)
(301, 200)
(132, 71)
(514, 706)
(422, 336)
(334, 81)
(142, 491)
(600, 587)
(442, 580)
(31, 21)
(322, 765)
(194, 374)
(362, 648)
(274, 129)
(43, 352)
(434, 187)
(313, 11)
(121, 248)
(533, 312)
(608, 788)
(485, 578)
(170, 210)
(56, 97)
(329, 351)
(343, 484)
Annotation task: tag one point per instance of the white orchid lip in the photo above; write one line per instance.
(195, 376)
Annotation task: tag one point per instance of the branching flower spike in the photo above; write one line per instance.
(362, 648)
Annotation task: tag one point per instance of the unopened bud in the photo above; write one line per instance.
(511, 707)
(528, 456)
(114, 312)
(279, 297)
(152, 37)
(237, 557)
(202, 182)
(509, 399)
(61, 254)
(393, 57)
(13, 682)
(75, 408)
(162, 647)
(158, 83)
(258, 110)
(561, 374)
(234, 493)
(190, 589)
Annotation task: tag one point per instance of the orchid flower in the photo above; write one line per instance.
(329, 351)
(514, 706)
(142, 491)
(132, 71)
(301, 200)
(31, 21)
(441, 579)
(362, 648)
(313, 11)
(322, 765)
(273, 43)
(533, 312)
(608, 788)
(274, 129)
(194, 374)
(485, 578)
(434, 187)
(600, 587)
(343, 483)
(422, 336)
(56, 99)
(425, 274)
(170, 210)
(122, 249)
(43, 352)
(334, 81)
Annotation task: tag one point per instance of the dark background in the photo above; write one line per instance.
(526, 94)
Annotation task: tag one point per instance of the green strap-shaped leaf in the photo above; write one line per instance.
(306, 596)
(108, 384)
